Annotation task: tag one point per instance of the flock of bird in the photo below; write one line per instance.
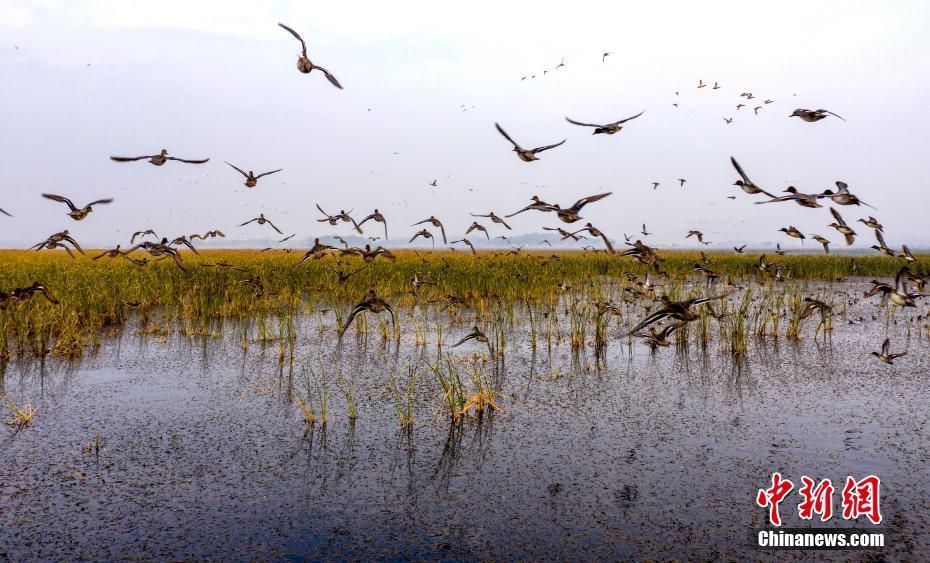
(681, 312)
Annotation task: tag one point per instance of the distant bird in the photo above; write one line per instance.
(475, 335)
(344, 276)
(738, 106)
(812, 115)
(745, 183)
(425, 234)
(158, 159)
(655, 185)
(871, 223)
(739, 249)
(594, 232)
(681, 182)
(372, 303)
(494, 219)
(343, 216)
(697, 234)
(605, 55)
(75, 213)
(143, 234)
(112, 253)
(701, 84)
(303, 63)
(261, 221)
(468, 243)
(476, 226)
(378, 218)
(526, 155)
(208, 234)
(885, 355)
(779, 251)
(840, 225)
(251, 180)
(842, 196)
(716, 86)
(537, 205)
(823, 241)
(793, 232)
(561, 64)
(728, 119)
(434, 183)
(645, 234)
(801, 198)
(906, 254)
(564, 234)
(609, 128)
(432, 220)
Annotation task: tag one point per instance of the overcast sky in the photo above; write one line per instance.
(85, 80)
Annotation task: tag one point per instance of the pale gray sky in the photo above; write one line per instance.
(218, 80)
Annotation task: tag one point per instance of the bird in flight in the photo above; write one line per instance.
(75, 213)
(261, 221)
(812, 115)
(303, 63)
(157, 159)
(609, 128)
(251, 179)
(885, 355)
(526, 155)
(745, 183)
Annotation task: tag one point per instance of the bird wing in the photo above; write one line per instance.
(273, 227)
(547, 147)
(506, 136)
(263, 173)
(831, 113)
(629, 118)
(5, 213)
(739, 170)
(590, 199)
(239, 170)
(573, 122)
(465, 339)
(653, 318)
(303, 46)
(885, 345)
(100, 202)
(838, 217)
(129, 158)
(880, 238)
(249, 221)
(188, 160)
(330, 77)
(363, 306)
(60, 199)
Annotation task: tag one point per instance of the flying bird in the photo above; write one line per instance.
(261, 221)
(75, 213)
(609, 128)
(526, 155)
(158, 159)
(885, 355)
(812, 115)
(303, 63)
(251, 179)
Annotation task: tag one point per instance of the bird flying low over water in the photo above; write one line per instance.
(812, 115)
(303, 63)
(158, 159)
(885, 355)
(475, 335)
(372, 303)
(75, 213)
(526, 155)
(678, 310)
(609, 128)
(251, 179)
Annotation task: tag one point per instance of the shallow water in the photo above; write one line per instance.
(638, 455)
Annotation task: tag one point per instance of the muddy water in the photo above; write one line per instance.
(641, 455)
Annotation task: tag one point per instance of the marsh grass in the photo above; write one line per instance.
(105, 294)
(21, 416)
